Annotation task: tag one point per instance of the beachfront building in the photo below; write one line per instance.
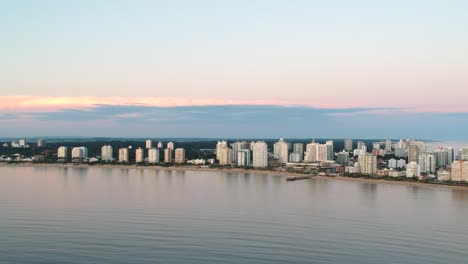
(223, 153)
(260, 154)
(168, 155)
(280, 151)
(413, 170)
(79, 153)
(123, 155)
(243, 158)
(459, 170)
(139, 155)
(153, 155)
(107, 153)
(62, 153)
(179, 156)
(367, 164)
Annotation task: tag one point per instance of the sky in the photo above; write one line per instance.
(256, 68)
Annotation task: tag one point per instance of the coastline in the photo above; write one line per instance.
(237, 170)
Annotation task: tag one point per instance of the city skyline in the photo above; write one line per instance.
(206, 69)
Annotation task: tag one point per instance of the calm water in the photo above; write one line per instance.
(101, 215)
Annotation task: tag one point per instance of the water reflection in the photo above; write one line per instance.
(460, 196)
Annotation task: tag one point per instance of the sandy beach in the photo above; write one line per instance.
(236, 170)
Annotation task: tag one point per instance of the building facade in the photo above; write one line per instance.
(179, 156)
(260, 154)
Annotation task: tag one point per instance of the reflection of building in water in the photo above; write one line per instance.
(460, 196)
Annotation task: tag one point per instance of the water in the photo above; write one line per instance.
(104, 215)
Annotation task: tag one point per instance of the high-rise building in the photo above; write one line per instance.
(388, 145)
(236, 147)
(310, 155)
(298, 148)
(160, 145)
(392, 163)
(295, 157)
(170, 145)
(317, 152)
(413, 170)
(79, 153)
(367, 164)
(224, 154)
(280, 150)
(401, 144)
(427, 163)
(413, 153)
(348, 144)
(243, 158)
(260, 154)
(22, 143)
(40, 143)
(179, 156)
(342, 157)
(123, 155)
(149, 144)
(360, 144)
(62, 153)
(139, 155)
(442, 157)
(168, 155)
(401, 152)
(330, 153)
(153, 155)
(221, 145)
(376, 145)
(459, 170)
(107, 153)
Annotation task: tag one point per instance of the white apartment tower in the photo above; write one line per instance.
(139, 155)
(123, 155)
(260, 154)
(368, 164)
(62, 153)
(168, 155)
(280, 150)
(153, 155)
(388, 145)
(79, 153)
(413, 170)
(170, 145)
(107, 153)
(348, 144)
(149, 144)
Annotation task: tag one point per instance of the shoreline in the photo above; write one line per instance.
(237, 170)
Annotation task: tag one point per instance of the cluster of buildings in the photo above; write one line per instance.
(404, 158)
(150, 154)
(40, 143)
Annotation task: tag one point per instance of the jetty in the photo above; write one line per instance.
(295, 178)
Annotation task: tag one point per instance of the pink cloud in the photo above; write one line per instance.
(39, 103)
(48, 104)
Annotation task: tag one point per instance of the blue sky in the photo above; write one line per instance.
(316, 57)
